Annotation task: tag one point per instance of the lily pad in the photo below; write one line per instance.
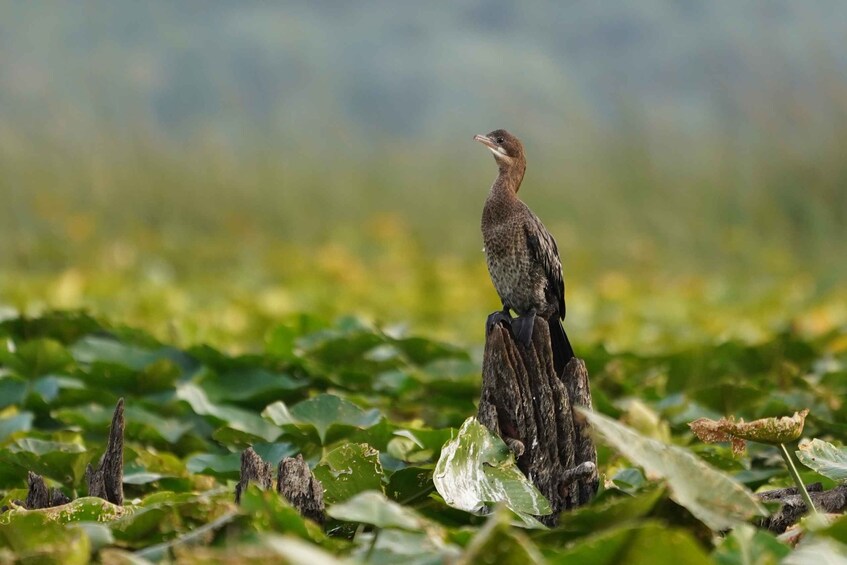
(323, 413)
(348, 470)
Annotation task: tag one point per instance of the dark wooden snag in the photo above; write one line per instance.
(793, 507)
(255, 470)
(530, 408)
(300, 488)
(39, 496)
(107, 480)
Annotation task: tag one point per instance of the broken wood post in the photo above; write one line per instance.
(530, 408)
(833, 501)
(255, 470)
(107, 480)
(39, 496)
(300, 488)
(295, 482)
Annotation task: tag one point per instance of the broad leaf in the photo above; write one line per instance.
(322, 413)
(348, 470)
(477, 470)
(372, 507)
(650, 542)
(713, 497)
(824, 458)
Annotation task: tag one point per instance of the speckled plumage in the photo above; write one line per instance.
(522, 256)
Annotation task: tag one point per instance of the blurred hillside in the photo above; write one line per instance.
(161, 157)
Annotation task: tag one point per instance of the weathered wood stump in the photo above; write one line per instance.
(40, 496)
(793, 507)
(530, 408)
(299, 486)
(107, 480)
(295, 482)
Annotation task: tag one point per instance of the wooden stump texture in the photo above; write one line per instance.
(530, 408)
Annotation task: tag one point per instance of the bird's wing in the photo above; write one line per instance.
(543, 250)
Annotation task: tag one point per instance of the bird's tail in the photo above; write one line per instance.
(562, 350)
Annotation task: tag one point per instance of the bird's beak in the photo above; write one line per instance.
(485, 140)
(499, 152)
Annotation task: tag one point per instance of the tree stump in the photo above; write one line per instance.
(40, 496)
(107, 481)
(793, 507)
(530, 408)
(295, 482)
(300, 488)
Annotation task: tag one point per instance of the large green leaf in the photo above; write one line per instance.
(650, 542)
(748, 546)
(713, 497)
(18, 423)
(477, 470)
(62, 461)
(230, 416)
(497, 542)
(824, 458)
(372, 507)
(323, 413)
(348, 470)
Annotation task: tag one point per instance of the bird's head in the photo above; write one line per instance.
(507, 149)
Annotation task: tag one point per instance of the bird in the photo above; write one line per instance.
(521, 255)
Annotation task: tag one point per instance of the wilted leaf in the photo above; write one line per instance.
(824, 458)
(713, 497)
(348, 470)
(477, 470)
(372, 507)
(765, 430)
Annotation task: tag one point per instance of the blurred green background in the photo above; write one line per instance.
(207, 169)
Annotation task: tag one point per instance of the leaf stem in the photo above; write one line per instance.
(792, 470)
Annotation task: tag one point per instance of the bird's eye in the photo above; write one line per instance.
(499, 140)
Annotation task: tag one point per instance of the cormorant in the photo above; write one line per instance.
(522, 256)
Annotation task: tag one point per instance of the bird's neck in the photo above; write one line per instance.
(508, 181)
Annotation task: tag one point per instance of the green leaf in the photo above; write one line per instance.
(747, 545)
(710, 495)
(824, 458)
(607, 513)
(63, 462)
(477, 470)
(34, 538)
(249, 384)
(223, 466)
(97, 349)
(649, 542)
(348, 470)
(372, 507)
(497, 542)
(12, 390)
(271, 512)
(18, 423)
(230, 416)
(323, 413)
(140, 424)
(41, 357)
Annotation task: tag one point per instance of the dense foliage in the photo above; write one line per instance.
(370, 411)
